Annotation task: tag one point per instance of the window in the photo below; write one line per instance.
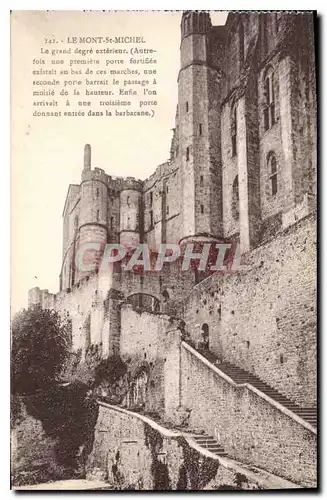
(269, 97)
(98, 214)
(235, 199)
(98, 192)
(241, 44)
(200, 128)
(201, 181)
(279, 17)
(167, 210)
(151, 198)
(205, 336)
(186, 106)
(151, 219)
(166, 189)
(187, 154)
(272, 170)
(111, 222)
(264, 35)
(202, 209)
(234, 130)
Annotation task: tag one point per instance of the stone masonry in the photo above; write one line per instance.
(242, 169)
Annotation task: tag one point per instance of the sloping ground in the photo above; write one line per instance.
(133, 452)
(241, 376)
(68, 485)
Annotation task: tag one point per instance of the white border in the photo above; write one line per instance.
(5, 162)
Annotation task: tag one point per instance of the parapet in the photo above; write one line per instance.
(131, 183)
(97, 174)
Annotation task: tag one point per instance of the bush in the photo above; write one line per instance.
(40, 344)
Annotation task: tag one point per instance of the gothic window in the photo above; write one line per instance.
(98, 192)
(98, 214)
(205, 335)
(187, 154)
(234, 130)
(201, 181)
(151, 198)
(186, 106)
(202, 209)
(151, 219)
(200, 128)
(269, 100)
(235, 199)
(264, 34)
(279, 16)
(241, 43)
(272, 173)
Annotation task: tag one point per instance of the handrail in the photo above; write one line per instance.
(259, 393)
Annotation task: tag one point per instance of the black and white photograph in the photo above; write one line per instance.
(163, 250)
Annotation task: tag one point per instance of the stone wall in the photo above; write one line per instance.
(155, 340)
(264, 319)
(133, 452)
(246, 425)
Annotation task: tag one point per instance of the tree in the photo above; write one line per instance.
(40, 343)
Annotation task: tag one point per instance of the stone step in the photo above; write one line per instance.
(241, 376)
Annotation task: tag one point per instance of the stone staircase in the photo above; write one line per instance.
(241, 376)
(208, 442)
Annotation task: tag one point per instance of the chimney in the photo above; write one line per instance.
(87, 157)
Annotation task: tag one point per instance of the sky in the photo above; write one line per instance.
(47, 153)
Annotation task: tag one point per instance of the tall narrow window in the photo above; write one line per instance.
(202, 209)
(272, 171)
(98, 215)
(187, 154)
(269, 96)
(279, 17)
(111, 222)
(201, 181)
(235, 199)
(241, 43)
(264, 34)
(151, 219)
(186, 106)
(200, 128)
(234, 130)
(167, 210)
(151, 198)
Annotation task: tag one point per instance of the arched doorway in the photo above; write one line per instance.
(205, 336)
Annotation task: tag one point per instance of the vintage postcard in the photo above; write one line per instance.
(164, 204)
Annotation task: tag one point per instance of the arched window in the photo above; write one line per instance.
(241, 43)
(76, 224)
(272, 173)
(269, 100)
(205, 335)
(234, 130)
(235, 199)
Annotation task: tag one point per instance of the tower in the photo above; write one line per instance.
(199, 130)
(92, 223)
(130, 221)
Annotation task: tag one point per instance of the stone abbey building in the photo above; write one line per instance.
(234, 352)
